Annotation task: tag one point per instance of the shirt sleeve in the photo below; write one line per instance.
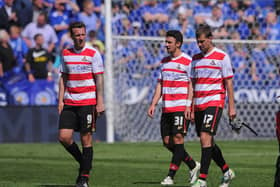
(192, 72)
(227, 71)
(62, 66)
(97, 64)
(189, 70)
(29, 56)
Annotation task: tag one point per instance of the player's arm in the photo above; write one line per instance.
(156, 97)
(99, 93)
(31, 77)
(188, 109)
(1, 70)
(230, 93)
(61, 91)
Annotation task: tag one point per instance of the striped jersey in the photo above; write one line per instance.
(80, 68)
(208, 72)
(175, 78)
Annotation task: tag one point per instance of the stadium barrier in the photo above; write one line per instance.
(36, 124)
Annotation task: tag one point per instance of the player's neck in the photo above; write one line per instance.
(176, 53)
(209, 50)
(78, 48)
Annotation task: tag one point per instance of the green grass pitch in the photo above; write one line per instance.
(132, 164)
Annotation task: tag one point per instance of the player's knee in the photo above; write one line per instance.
(206, 139)
(65, 140)
(165, 140)
(178, 139)
(86, 139)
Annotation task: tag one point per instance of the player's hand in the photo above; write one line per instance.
(192, 117)
(231, 113)
(188, 113)
(31, 78)
(100, 108)
(151, 111)
(60, 107)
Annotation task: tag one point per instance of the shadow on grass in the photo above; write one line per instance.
(153, 183)
(56, 185)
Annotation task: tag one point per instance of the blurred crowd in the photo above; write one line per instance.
(33, 32)
(256, 64)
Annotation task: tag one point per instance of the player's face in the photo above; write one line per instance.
(171, 45)
(79, 37)
(204, 43)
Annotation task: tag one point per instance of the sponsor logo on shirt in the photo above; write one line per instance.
(38, 54)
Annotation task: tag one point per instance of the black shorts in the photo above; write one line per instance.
(173, 123)
(208, 120)
(79, 118)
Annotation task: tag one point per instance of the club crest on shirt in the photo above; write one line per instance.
(179, 67)
(213, 62)
(84, 59)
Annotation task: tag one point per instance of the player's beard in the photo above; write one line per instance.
(80, 44)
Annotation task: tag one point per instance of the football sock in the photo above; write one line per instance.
(217, 156)
(170, 146)
(74, 150)
(86, 161)
(205, 162)
(188, 160)
(176, 159)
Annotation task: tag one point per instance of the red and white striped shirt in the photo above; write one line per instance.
(175, 78)
(208, 72)
(80, 68)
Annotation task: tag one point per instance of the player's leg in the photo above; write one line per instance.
(165, 132)
(217, 155)
(206, 126)
(180, 130)
(67, 124)
(178, 154)
(86, 118)
(167, 142)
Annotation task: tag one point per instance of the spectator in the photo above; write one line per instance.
(42, 27)
(38, 6)
(202, 10)
(59, 18)
(66, 41)
(262, 68)
(8, 15)
(93, 41)
(24, 10)
(18, 44)
(126, 27)
(155, 18)
(271, 29)
(181, 23)
(38, 61)
(216, 20)
(136, 25)
(7, 58)
(250, 11)
(231, 16)
(89, 17)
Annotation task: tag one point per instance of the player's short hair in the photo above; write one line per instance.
(36, 36)
(76, 24)
(175, 34)
(204, 29)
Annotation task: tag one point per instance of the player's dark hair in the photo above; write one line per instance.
(204, 29)
(37, 35)
(76, 24)
(175, 34)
